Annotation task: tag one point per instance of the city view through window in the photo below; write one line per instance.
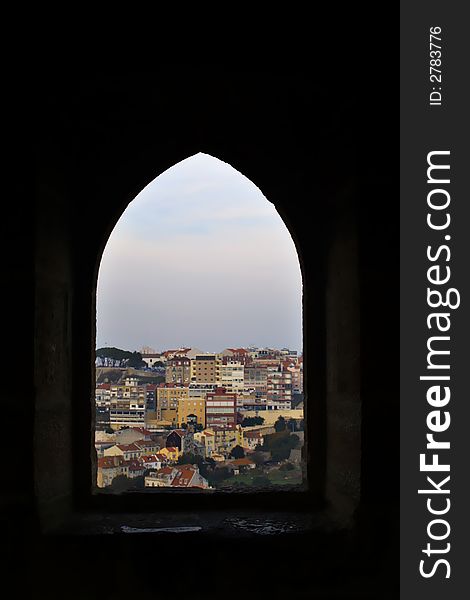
(199, 366)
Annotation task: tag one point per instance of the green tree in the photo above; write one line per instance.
(261, 481)
(291, 425)
(237, 452)
(219, 475)
(280, 424)
(258, 458)
(121, 483)
(252, 421)
(135, 360)
(187, 458)
(288, 466)
(280, 444)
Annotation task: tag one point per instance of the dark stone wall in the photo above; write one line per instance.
(313, 152)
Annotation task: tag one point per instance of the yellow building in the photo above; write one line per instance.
(191, 406)
(171, 453)
(110, 467)
(206, 437)
(203, 368)
(226, 439)
(168, 397)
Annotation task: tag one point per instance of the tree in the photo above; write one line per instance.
(280, 424)
(252, 421)
(237, 452)
(291, 425)
(218, 475)
(280, 444)
(258, 458)
(288, 466)
(135, 360)
(115, 357)
(121, 483)
(187, 458)
(261, 481)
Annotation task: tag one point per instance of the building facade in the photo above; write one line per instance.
(221, 410)
(168, 397)
(178, 370)
(203, 368)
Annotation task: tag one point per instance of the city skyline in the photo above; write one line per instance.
(200, 259)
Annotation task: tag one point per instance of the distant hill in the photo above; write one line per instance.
(113, 375)
(116, 357)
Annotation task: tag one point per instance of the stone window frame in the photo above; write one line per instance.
(331, 354)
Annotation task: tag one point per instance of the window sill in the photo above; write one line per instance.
(203, 524)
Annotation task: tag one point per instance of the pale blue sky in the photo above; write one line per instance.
(200, 258)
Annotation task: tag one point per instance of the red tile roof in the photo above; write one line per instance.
(183, 477)
(240, 462)
(110, 462)
(142, 430)
(252, 434)
(165, 471)
(180, 432)
(128, 447)
(145, 443)
(150, 458)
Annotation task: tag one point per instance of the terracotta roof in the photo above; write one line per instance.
(145, 443)
(109, 462)
(183, 477)
(151, 458)
(141, 430)
(240, 462)
(171, 448)
(165, 471)
(179, 351)
(128, 447)
(134, 463)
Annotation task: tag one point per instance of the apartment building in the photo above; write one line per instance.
(221, 409)
(203, 368)
(168, 397)
(231, 375)
(178, 370)
(191, 410)
(279, 386)
(256, 378)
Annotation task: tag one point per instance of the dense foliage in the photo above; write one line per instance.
(115, 357)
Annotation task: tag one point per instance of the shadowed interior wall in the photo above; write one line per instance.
(102, 139)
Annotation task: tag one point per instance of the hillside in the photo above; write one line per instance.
(116, 375)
